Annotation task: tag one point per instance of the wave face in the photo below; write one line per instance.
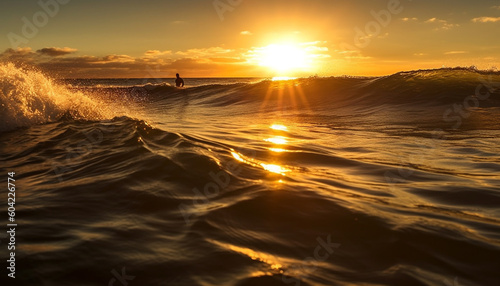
(431, 87)
(317, 181)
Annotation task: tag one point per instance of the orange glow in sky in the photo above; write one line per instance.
(258, 38)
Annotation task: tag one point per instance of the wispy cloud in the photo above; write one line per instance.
(314, 49)
(443, 24)
(157, 53)
(455, 52)
(227, 60)
(315, 43)
(495, 7)
(199, 53)
(246, 33)
(486, 19)
(116, 59)
(358, 57)
(56, 52)
(406, 19)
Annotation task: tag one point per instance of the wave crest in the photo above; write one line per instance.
(28, 97)
(428, 87)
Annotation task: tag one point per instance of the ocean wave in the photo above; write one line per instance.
(177, 207)
(421, 87)
(29, 97)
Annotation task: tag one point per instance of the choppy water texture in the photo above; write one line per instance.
(320, 181)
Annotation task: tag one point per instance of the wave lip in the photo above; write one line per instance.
(28, 97)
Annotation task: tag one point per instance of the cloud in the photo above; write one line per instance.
(152, 64)
(443, 24)
(315, 43)
(406, 19)
(17, 52)
(157, 53)
(486, 20)
(19, 55)
(56, 52)
(455, 52)
(57, 65)
(347, 52)
(206, 52)
(495, 7)
(246, 33)
(116, 59)
(358, 57)
(316, 49)
(227, 60)
(420, 54)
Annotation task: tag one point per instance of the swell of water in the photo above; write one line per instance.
(28, 97)
(319, 181)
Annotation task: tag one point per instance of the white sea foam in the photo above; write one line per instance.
(29, 97)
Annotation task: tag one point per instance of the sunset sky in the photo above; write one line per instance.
(248, 38)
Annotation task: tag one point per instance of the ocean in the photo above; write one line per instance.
(391, 180)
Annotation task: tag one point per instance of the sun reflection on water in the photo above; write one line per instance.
(277, 169)
(237, 156)
(273, 168)
(270, 260)
(279, 127)
(278, 140)
(277, 150)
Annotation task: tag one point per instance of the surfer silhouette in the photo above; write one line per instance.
(179, 82)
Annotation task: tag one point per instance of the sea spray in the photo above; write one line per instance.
(29, 97)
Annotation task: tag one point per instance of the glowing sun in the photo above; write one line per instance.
(284, 58)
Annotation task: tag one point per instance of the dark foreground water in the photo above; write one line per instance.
(319, 181)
